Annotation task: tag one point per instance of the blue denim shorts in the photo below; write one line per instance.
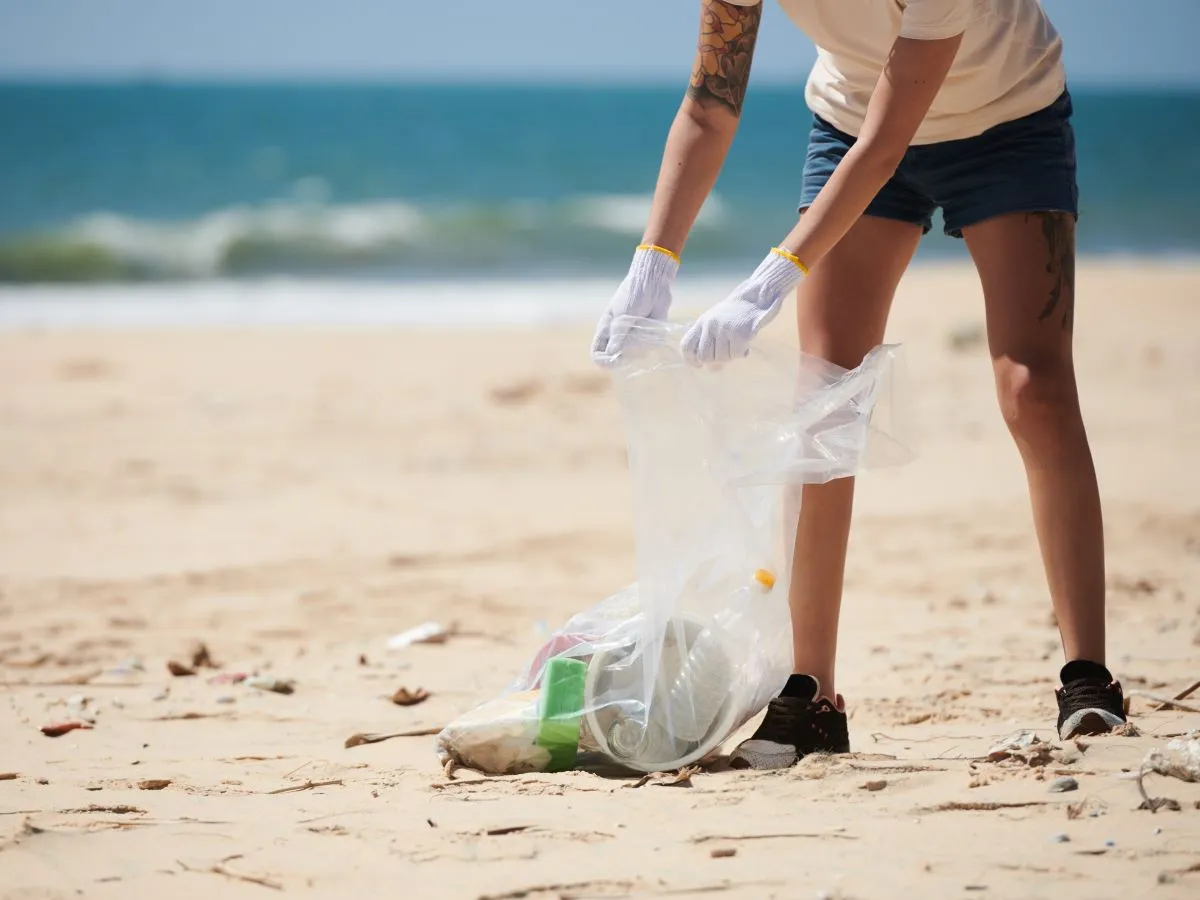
(1026, 165)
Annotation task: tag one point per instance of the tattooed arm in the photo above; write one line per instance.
(707, 120)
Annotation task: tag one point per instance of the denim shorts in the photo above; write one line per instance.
(1026, 165)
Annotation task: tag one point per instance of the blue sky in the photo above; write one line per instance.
(527, 40)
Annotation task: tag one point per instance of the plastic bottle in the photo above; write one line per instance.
(700, 686)
(706, 675)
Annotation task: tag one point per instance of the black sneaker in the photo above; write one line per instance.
(794, 727)
(1090, 700)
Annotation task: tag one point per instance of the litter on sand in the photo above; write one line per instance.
(274, 685)
(427, 633)
(655, 677)
(1179, 759)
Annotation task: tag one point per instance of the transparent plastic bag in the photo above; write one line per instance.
(659, 674)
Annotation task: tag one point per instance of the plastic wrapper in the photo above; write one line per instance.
(659, 674)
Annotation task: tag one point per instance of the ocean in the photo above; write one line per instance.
(165, 182)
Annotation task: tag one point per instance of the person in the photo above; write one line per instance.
(960, 105)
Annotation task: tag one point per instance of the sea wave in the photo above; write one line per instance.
(290, 237)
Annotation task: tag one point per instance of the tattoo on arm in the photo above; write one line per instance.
(727, 37)
(1059, 231)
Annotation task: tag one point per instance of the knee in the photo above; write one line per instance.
(1036, 399)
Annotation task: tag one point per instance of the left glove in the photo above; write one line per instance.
(725, 331)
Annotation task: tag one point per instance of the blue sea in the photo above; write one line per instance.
(137, 182)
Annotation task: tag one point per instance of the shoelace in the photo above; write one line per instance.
(1088, 693)
(783, 719)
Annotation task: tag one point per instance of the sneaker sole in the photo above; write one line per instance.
(1089, 721)
(763, 756)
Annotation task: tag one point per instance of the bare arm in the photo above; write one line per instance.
(911, 79)
(707, 120)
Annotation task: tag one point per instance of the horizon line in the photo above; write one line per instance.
(475, 80)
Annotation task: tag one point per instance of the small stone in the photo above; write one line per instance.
(1061, 838)
(876, 785)
(1110, 843)
(225, 698)
(1158, 831)
(1063, 784)
(723, 852)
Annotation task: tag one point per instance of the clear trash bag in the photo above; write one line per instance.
(659, 674)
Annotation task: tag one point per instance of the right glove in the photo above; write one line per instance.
(645, 293)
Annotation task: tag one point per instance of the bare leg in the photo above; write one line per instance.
(1026, 262)
(842, 310)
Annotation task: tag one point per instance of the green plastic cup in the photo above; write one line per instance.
(560, 710)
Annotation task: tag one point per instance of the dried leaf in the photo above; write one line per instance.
(201, 658)
(58, 729)
(274, 685)
(507, 829)
(357, 740)
(153, 784)
(179, 670)
(8, 776)
(722, 852)
(405, 697)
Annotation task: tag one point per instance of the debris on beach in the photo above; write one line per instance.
(1014, 743)
(426, 633)
(268, 683)
(1026, 747)
(405, 697)
(1063, 784)
(201, 658)
(357, 740)
(58, 729)
(153, 784)
(179, 670)
(679, 778)
(1179, 759)
(228, 678)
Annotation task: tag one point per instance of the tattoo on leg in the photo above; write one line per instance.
(1060, 265)
(727, 37)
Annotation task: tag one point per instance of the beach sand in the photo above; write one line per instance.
(293, 496)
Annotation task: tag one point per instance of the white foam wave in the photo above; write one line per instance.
(627, 213)
(200, 247)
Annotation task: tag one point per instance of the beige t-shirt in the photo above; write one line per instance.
(1009, 64)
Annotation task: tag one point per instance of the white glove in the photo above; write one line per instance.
(724, 331)
(645, 293)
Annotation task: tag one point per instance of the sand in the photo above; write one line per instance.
(292, 496)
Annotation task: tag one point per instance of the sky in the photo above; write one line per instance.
(1107, 41)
